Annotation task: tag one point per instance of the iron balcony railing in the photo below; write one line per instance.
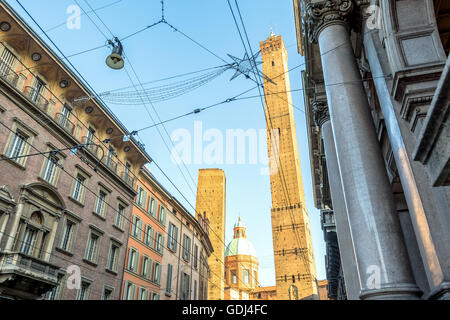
(35, 96)
(8, 74)
(64, 122)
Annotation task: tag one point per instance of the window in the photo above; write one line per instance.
(90, 135)
(55, 293)
(109, 158)
(157, 273)
(155, 296)
(162, 215)
(159, 243)
(195, 289)
(113, 257)
(142, 294)
(17, 148)
(92, 247)
(146, 267)
(186, 247)
(78, 188)
(128, 293)
(185, 286)
(141, 198)
(245, 276)
(68, 235)
(108, 293)
(152, 207)
(64, 117)
(100, 206)
(195, 256)
(173, 236)
(83, 292)
(149, 236)
(233, 277)
(169, 279)
(38, 85)
(6, 61)
(136, 228)
(118, 221)
(49, 172)
(28, 240)
(133, 258)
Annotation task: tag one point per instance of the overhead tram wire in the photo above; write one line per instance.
(154, 109)
(31, 17)
(93, 192)
(271, 126)
(92, 89)
(262, 102)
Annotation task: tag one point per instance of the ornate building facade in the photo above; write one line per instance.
(80, 215)
(376, 91)
(295, 268)
(241, 265)
(67, 188)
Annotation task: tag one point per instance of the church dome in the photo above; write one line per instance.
(240, 245)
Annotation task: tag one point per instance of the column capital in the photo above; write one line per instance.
(321, 14)
(321, 113)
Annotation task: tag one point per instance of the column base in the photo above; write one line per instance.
(396, 291)
(441, 292)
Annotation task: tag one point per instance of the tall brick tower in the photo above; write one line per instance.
(294, 259)
(211, 204)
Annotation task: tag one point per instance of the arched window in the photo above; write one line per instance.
(293, 292)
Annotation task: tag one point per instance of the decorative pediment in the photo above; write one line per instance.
(5, 196)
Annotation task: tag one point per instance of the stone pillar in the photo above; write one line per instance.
(345, 240)
(49, 246)
(3, 224)
(15, 225)
(380, 251)
(413, 198)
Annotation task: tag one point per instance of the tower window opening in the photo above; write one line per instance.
(273, 63)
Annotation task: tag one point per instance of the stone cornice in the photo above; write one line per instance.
(321, 114)
(324, 13)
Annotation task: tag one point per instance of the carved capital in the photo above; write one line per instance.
(324, 13)
(321, 114)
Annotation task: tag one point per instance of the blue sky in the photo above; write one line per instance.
(160, 52)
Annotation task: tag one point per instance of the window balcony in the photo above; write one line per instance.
(64, 122)
(35, 96)
(111, 164)
(8, 74)
(91, 145)
(128, 178)
(26, 277)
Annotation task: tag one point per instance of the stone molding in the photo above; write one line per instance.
(324, 13)
(321, 113)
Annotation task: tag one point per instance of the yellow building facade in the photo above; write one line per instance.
(211, 205)
(294, 259)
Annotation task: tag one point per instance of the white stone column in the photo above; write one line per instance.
(49, 246)
(380, 252)
(345, 241)
(15, 225)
